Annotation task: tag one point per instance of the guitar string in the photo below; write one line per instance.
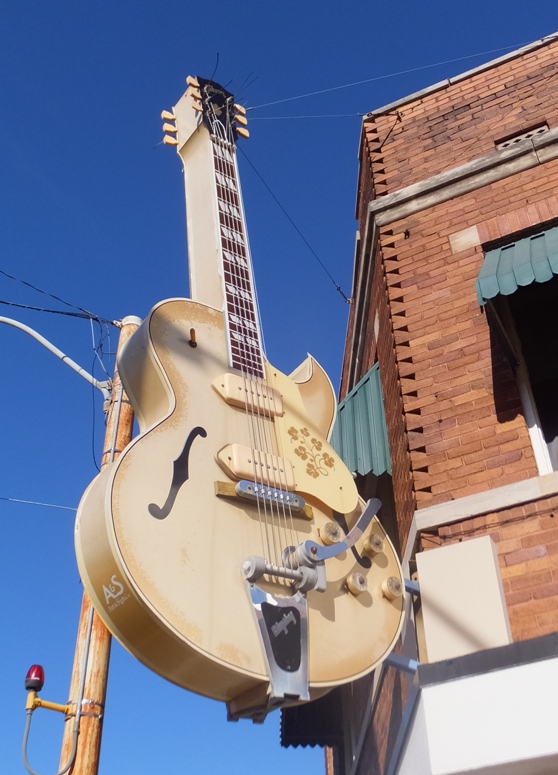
(274, 443)
(257, 385)
(225, 196)
(264, 413)
(287, 508)
(255, 390)
(236, 301)
(246, 360)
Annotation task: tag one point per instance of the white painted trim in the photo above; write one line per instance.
(486, 502)
(540, 448)
(466, 178)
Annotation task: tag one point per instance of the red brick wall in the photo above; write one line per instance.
(526, 539)
(460, 122)
(451, 398)
(455, 422)
(466, 430)
(380, 740)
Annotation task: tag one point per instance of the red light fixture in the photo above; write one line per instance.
(35, 678)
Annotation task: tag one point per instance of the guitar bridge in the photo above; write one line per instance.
(259, 493)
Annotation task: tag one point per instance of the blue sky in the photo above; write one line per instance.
(92, 210)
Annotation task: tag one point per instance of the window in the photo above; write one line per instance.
(533, 311)
(518, 283)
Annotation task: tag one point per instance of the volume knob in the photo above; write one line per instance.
(356, 583)
(392, 588)
(331, 534)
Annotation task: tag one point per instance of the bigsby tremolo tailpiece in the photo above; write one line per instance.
(283, 621)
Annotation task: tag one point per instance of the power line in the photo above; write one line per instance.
(52, 295)
(37, 503)
(327, 115)
(388, 75)
(298, 231)
(82, 315)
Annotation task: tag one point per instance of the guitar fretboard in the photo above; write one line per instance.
(240, 303)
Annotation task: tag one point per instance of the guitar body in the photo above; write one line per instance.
(170, 586)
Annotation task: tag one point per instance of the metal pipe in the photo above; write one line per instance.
(104, 387)
(116, 422)
(412, 587)
(26, 738)
(94, 637)
(51, 706)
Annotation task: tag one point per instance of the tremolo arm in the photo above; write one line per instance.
(304, 564)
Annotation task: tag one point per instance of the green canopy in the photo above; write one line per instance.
(532, 259)
(360, 435)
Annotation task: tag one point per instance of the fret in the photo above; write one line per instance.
(229, 209)
(226, 181)
(241, 322)
(240, 306)
(239, 282)
(236, 287)
(233, 235)
(250, 341)
(233, 258)
(222, 152)
(230, 221)
(234, 291)
(238, 267)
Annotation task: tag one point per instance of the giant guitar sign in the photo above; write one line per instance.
(227, 548)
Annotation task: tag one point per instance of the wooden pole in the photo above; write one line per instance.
(117, 435)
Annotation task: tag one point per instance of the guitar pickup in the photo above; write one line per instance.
(245, 463)
(249, 393)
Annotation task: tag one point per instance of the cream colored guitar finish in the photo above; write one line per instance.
(171, 590)
(162, 555)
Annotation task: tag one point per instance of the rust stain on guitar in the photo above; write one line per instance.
(233, 655)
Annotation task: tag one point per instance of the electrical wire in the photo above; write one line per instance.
(46, 293)
(388, 75)
(82, 315)
(289, 118)
(37, 503)
(298, 231)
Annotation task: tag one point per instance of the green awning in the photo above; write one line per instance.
(533, 259)
(360, 435)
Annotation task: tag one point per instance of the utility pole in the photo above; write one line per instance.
(93, 639)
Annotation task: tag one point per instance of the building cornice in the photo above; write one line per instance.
(465, 178)
(428, 193)
(461, 77)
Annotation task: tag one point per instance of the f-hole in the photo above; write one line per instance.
(179, 476)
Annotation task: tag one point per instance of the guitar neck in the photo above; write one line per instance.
(218, 251)
(245, 345)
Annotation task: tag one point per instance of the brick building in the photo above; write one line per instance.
(455, 303)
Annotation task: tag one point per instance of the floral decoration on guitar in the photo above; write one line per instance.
(311, 448)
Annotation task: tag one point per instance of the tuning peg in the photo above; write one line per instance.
(170, 128)
(168, 140)
(241, 120)
(166, 115)
(240, 109)
(241, 132)
(192, 81)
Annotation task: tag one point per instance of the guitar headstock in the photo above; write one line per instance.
(216, 110)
